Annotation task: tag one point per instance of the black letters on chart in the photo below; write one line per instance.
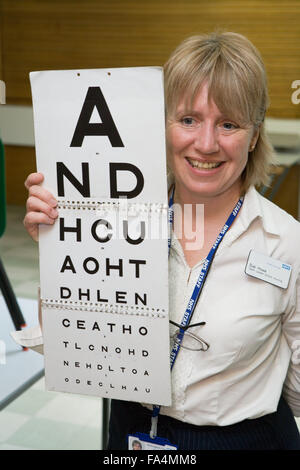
(94, 98)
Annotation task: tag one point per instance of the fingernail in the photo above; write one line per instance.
(53, 202)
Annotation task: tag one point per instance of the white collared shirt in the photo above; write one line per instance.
(252, 327)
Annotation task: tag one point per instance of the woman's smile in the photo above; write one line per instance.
(205, 165)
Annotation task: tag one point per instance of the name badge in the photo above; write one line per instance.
(141, 441)
(268, 269)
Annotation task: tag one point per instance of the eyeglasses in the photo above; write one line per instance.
(189, 340)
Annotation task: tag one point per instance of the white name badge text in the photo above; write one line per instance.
(268, 269)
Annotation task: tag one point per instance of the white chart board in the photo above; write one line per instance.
(100, 143)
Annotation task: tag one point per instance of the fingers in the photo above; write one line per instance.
(42, 194)
(40, 205)
(33, 178)
(33, 182)
(33, 218)
(32, 221)
(37, 204)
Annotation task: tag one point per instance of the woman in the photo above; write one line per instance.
(231, 387)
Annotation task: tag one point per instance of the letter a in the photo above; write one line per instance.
(94, 98)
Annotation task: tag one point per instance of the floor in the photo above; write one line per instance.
(38, 419)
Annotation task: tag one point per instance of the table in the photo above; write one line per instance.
(19, 369)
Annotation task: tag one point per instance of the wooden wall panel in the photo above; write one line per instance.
(287, 196)
(49, 34)
(20, 162)
(70, 34)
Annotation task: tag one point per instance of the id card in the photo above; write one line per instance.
(268, 269)
(141, 441)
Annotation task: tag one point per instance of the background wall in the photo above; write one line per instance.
(65, 34)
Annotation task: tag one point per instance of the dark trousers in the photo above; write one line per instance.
(275, 431)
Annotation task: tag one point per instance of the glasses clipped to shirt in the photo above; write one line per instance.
(189, 340)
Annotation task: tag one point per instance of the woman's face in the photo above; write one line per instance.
(207, 151)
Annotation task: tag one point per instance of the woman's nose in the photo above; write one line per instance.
(206, 139)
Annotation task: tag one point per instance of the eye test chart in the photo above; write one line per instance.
(100, 144)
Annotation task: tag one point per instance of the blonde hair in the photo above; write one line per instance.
(235, 73)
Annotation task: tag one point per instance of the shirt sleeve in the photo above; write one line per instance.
(291, 330)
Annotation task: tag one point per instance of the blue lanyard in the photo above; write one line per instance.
(197, 289)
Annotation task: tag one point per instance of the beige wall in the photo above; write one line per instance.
(53, 34)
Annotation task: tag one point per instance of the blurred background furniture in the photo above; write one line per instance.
(19, 369)
(18, 372)
(284, 189)
(5, 285)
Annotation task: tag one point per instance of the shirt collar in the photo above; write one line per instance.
(256, 206)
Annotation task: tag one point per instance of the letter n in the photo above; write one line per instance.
(62, 171)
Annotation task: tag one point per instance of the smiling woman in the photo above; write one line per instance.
(225, 396)
(239, 391)
(216, 100)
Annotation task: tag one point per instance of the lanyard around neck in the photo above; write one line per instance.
(203, 274)
(197, 289)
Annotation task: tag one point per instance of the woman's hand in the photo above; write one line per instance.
(40, 205)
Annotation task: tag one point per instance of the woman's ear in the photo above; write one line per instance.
(254, 139)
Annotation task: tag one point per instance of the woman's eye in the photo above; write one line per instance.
(229, 126)
(187, 121)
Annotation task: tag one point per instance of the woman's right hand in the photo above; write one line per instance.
(40, 205)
